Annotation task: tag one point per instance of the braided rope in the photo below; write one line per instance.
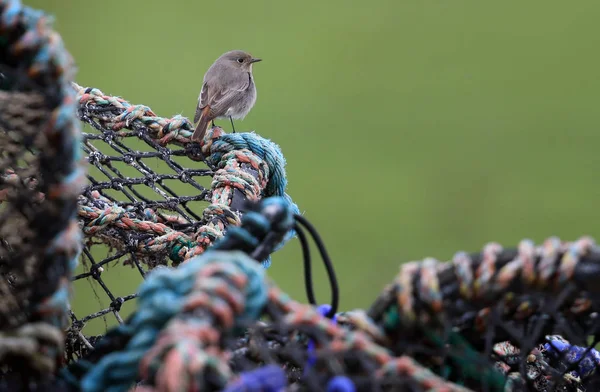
(28, 43)
(585, 359)
(267, 378)
(177, 323)
(558, 350)
(484, 279)
(30, 341)
(177, 338)
(214, 294)
(137, 227)
(178, 130)
(473, 293)
(340, 340)
(245, 163)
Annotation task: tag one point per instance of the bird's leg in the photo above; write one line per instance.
(232, 126)
(213, 122)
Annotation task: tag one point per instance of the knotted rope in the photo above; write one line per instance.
(245, 164)
(41, 179)
(500, 320)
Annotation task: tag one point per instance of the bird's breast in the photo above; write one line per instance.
(241, 106)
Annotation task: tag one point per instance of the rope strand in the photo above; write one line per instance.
(326, 261)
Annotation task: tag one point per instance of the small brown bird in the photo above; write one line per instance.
(228, 91)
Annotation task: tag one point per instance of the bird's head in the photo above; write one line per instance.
(239, 59)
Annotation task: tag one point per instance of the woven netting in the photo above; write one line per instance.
(149, 201)
(40, 179)
(480, 321)
(197, 223)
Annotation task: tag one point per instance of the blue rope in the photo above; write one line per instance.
(263, 228)
(269, 378)
(323, 310)
(587, 359)
(340, 384)
(161, 297)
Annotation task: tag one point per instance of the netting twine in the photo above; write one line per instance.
(207, 317)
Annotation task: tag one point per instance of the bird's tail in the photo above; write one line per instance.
(202, 124)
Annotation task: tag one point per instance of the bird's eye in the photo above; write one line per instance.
(240, 61)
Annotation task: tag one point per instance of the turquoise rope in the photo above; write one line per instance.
(266, 150)
(161, 298)
(276, 216)
(179, 129)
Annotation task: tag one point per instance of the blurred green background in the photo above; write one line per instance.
(410, 128)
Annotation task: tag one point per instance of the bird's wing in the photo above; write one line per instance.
(221, 99)
(202, 102)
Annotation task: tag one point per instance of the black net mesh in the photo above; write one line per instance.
(523, 319)
(21, 115)
(40, 179)
(533, 327)
(144, 202)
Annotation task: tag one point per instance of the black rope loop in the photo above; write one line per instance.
(263, 227)
(308, 280)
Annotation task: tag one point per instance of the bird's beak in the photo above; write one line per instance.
(255, 60)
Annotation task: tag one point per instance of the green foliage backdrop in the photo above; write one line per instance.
(411, 128)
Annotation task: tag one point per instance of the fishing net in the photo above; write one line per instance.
(197, 223)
